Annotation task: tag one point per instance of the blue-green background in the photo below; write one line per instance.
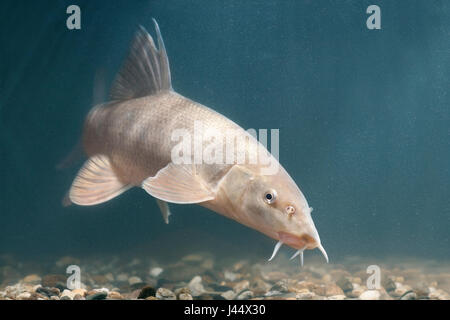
(364, 119)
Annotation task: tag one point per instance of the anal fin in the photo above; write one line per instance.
(96, 183)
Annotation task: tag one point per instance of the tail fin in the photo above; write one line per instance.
(146, 69)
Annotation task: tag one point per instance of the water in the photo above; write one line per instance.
(363, 116)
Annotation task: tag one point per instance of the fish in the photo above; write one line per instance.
(134, 140)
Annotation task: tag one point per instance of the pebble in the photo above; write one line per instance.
(97, 296)
(197, 276)
(259, 286)
(241, 285)
(114, 295)
(97, 290)
(333, 290)
(67, 293)
(439, 295)
(146, 292)
(229, 295)
(304, 294)
(165, 294)
(357, 280)
(32, 279)
(281, 286)
(23, 296)
(319, 289)
(245, 295)
(356, 292)
(134, 280)
(422, 291)
(272, 293)
(196, 286)
(49, 292)
(410, 295)
(132, 295)
(288, 296)
(82, 292)
(185, 296)
(155, 272)
(370, 295)
(181, 290)
(389, 284)
(230, 276)
(400, 290)
(337, 297)
(345, 284)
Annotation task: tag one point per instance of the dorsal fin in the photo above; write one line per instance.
(146, 69)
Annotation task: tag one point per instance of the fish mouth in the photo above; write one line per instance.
(299, 242)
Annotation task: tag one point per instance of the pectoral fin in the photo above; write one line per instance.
(96, 182)
(164, 207)
(178, 184)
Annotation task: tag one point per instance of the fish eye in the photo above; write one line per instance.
(270, 196)
(290, 210)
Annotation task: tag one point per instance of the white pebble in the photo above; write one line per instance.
(229, 295)
(230, 276)
(370, 295)
(23, 296)
(154, 272)
(196, 286)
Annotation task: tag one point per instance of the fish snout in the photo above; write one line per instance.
(302, 241)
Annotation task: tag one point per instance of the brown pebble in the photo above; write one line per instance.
(114, 295)
(332, 289)
(82, 292)
(32, 279)
(345, 284)
(146, 292)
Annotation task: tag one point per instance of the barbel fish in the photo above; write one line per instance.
(131, 142)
